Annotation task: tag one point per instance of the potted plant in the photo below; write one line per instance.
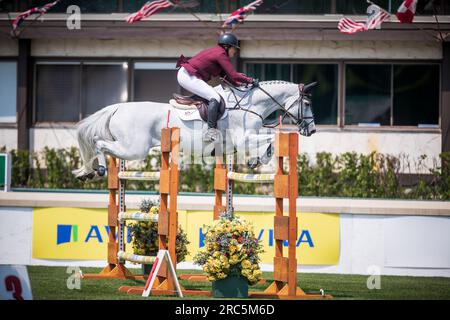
(230, 257)
(145, 236)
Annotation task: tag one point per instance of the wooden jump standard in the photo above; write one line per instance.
(284, 285)
(167, 219)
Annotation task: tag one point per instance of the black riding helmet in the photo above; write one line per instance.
(228, 39)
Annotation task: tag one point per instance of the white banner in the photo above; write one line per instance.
(14, 283)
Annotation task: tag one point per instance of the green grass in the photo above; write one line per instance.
(50, 283)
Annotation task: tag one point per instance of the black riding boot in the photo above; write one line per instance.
(213, 112)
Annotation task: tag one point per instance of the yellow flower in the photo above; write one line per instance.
(257, 274)
(154, 209)
(234, 259)
(245, 273)
(246, 264)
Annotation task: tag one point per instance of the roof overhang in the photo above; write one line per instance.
(207, 26)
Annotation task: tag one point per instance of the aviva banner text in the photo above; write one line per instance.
(82, 234)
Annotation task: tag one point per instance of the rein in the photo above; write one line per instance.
(300, 118)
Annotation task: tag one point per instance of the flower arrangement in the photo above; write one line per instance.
(145, 234)
(231, 248)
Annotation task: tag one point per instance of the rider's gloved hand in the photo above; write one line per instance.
(255, 82)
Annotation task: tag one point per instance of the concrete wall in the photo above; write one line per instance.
(145, 48)
(400, 144)
(56, 137)
(8, 47)
(250, 49)
(8, 138)
(342, 50)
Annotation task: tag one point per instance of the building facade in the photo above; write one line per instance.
(382, 90)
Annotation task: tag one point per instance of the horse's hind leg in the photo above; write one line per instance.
(114, 148)
(99, 162)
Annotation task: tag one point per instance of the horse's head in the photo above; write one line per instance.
(299, 110)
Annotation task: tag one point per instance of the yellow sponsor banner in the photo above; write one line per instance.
(82, 234)
(71, 234)
(318, 235)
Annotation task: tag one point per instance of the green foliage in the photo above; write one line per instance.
(145, 234)
(346, 175)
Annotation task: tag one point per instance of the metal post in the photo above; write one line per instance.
(122, 207)
(230, 209)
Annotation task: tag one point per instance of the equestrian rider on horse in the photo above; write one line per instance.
(195, 72)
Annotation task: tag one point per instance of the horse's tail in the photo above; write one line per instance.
(94, 126)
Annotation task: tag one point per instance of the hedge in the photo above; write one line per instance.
(346, 175)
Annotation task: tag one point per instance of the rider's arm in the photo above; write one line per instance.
(228, 68)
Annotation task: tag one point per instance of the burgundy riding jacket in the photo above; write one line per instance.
(212, 62)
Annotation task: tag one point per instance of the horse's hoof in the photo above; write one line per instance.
(82, 178)
(90, 175)
(101, 170)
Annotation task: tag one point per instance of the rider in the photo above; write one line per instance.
(215, 61)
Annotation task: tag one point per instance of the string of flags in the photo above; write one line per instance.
(41, 10)
(406, 11)
(148, 9)
(376, 16)
(240, 14)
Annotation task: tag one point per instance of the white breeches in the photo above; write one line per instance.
(196, 85)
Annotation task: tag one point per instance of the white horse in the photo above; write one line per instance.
(129, 130)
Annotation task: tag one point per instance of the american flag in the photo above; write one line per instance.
(240, 14)
(376, 17)
(42, 10)
(406, 11)
(347, 25)
(148, 9)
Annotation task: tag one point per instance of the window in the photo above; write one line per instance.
(7, 6)
(367, 94)
(58, 92)
(70, 91)
(8, 91)
(324, 97)
(392, 95)
(103, 85)
(416, 95)
(155, 81)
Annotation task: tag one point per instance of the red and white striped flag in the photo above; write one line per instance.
(42, 10)
(376, 17)
(240, 14)
(406, 11)
(347, 25)
(148, 9)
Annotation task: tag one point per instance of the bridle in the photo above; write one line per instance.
(301, 121)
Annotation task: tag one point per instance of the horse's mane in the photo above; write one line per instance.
(271, 82)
